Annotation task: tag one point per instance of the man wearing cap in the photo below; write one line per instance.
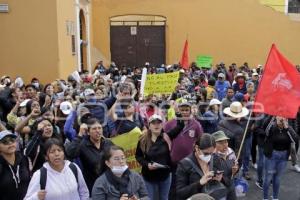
(14, 168)
(234, 125)
(227, 162)
(183, 131)
(255, 80)
(221, 86)
(182, 143)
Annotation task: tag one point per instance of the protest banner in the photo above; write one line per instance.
(204, 61)
(128, 141)
(161, 83)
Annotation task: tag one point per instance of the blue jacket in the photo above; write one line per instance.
(221, 89)
(210, 122)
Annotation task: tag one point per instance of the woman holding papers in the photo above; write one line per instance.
(153, 153)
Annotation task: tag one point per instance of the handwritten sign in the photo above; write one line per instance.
(161, 83)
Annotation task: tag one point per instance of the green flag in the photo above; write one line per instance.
(204, 61)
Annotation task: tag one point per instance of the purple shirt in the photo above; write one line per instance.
(183, 144)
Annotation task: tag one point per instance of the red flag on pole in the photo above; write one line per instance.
(184, 62)
(279, 90)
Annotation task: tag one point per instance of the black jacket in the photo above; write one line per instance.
(278, 138)
(235, 131)
(187, 178)
(159, 152)
(35, 150)
(10, 189)
(91, 158)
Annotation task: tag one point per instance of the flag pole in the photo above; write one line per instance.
(251, 111)
(243, 140)
(244, 136)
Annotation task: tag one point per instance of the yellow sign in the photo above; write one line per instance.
(161, 83)
(128, 141)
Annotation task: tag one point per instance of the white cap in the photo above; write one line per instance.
(221, 75)
(23, 103)
(154, 118)
(5, 133)
(19, 82)
(66, 107)
(88, 92)
(214, 102)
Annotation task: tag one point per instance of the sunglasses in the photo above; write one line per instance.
(8, 140)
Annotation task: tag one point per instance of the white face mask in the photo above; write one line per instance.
(205, 158)
(119, 170)
(36, 85)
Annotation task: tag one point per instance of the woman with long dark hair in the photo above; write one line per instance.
(42, 131)
(198, 171)
(153, 154)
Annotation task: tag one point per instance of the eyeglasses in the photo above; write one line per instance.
(8, 140)
(117, 159)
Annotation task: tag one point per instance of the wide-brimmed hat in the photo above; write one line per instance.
(240, 75)
(236, 110)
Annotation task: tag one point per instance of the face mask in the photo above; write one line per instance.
(205, 158)
(240, 81)
(119, 170)
(36, 85)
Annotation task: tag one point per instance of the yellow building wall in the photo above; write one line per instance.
(278, 5)
(67, 62)
(228, 30)
(28, 40)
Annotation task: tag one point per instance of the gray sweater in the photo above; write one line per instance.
(104, 190)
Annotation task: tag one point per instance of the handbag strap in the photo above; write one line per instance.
(194, 166)
(291, 138)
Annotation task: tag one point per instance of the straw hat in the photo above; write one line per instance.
(236, 110)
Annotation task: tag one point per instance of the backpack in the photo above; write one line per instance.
(43, 177)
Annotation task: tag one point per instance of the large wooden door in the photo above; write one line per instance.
(133, 46)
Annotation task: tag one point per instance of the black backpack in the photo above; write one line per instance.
(43, 177)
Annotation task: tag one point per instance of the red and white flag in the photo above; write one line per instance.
(279, 89)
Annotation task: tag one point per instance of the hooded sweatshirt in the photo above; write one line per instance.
(60, 185)
(14, 178)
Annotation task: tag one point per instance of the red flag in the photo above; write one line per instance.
(184, 62)
(279, 89)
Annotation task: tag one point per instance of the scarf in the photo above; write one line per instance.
(120, 183)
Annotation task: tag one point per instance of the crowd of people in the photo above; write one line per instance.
(196, 143)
